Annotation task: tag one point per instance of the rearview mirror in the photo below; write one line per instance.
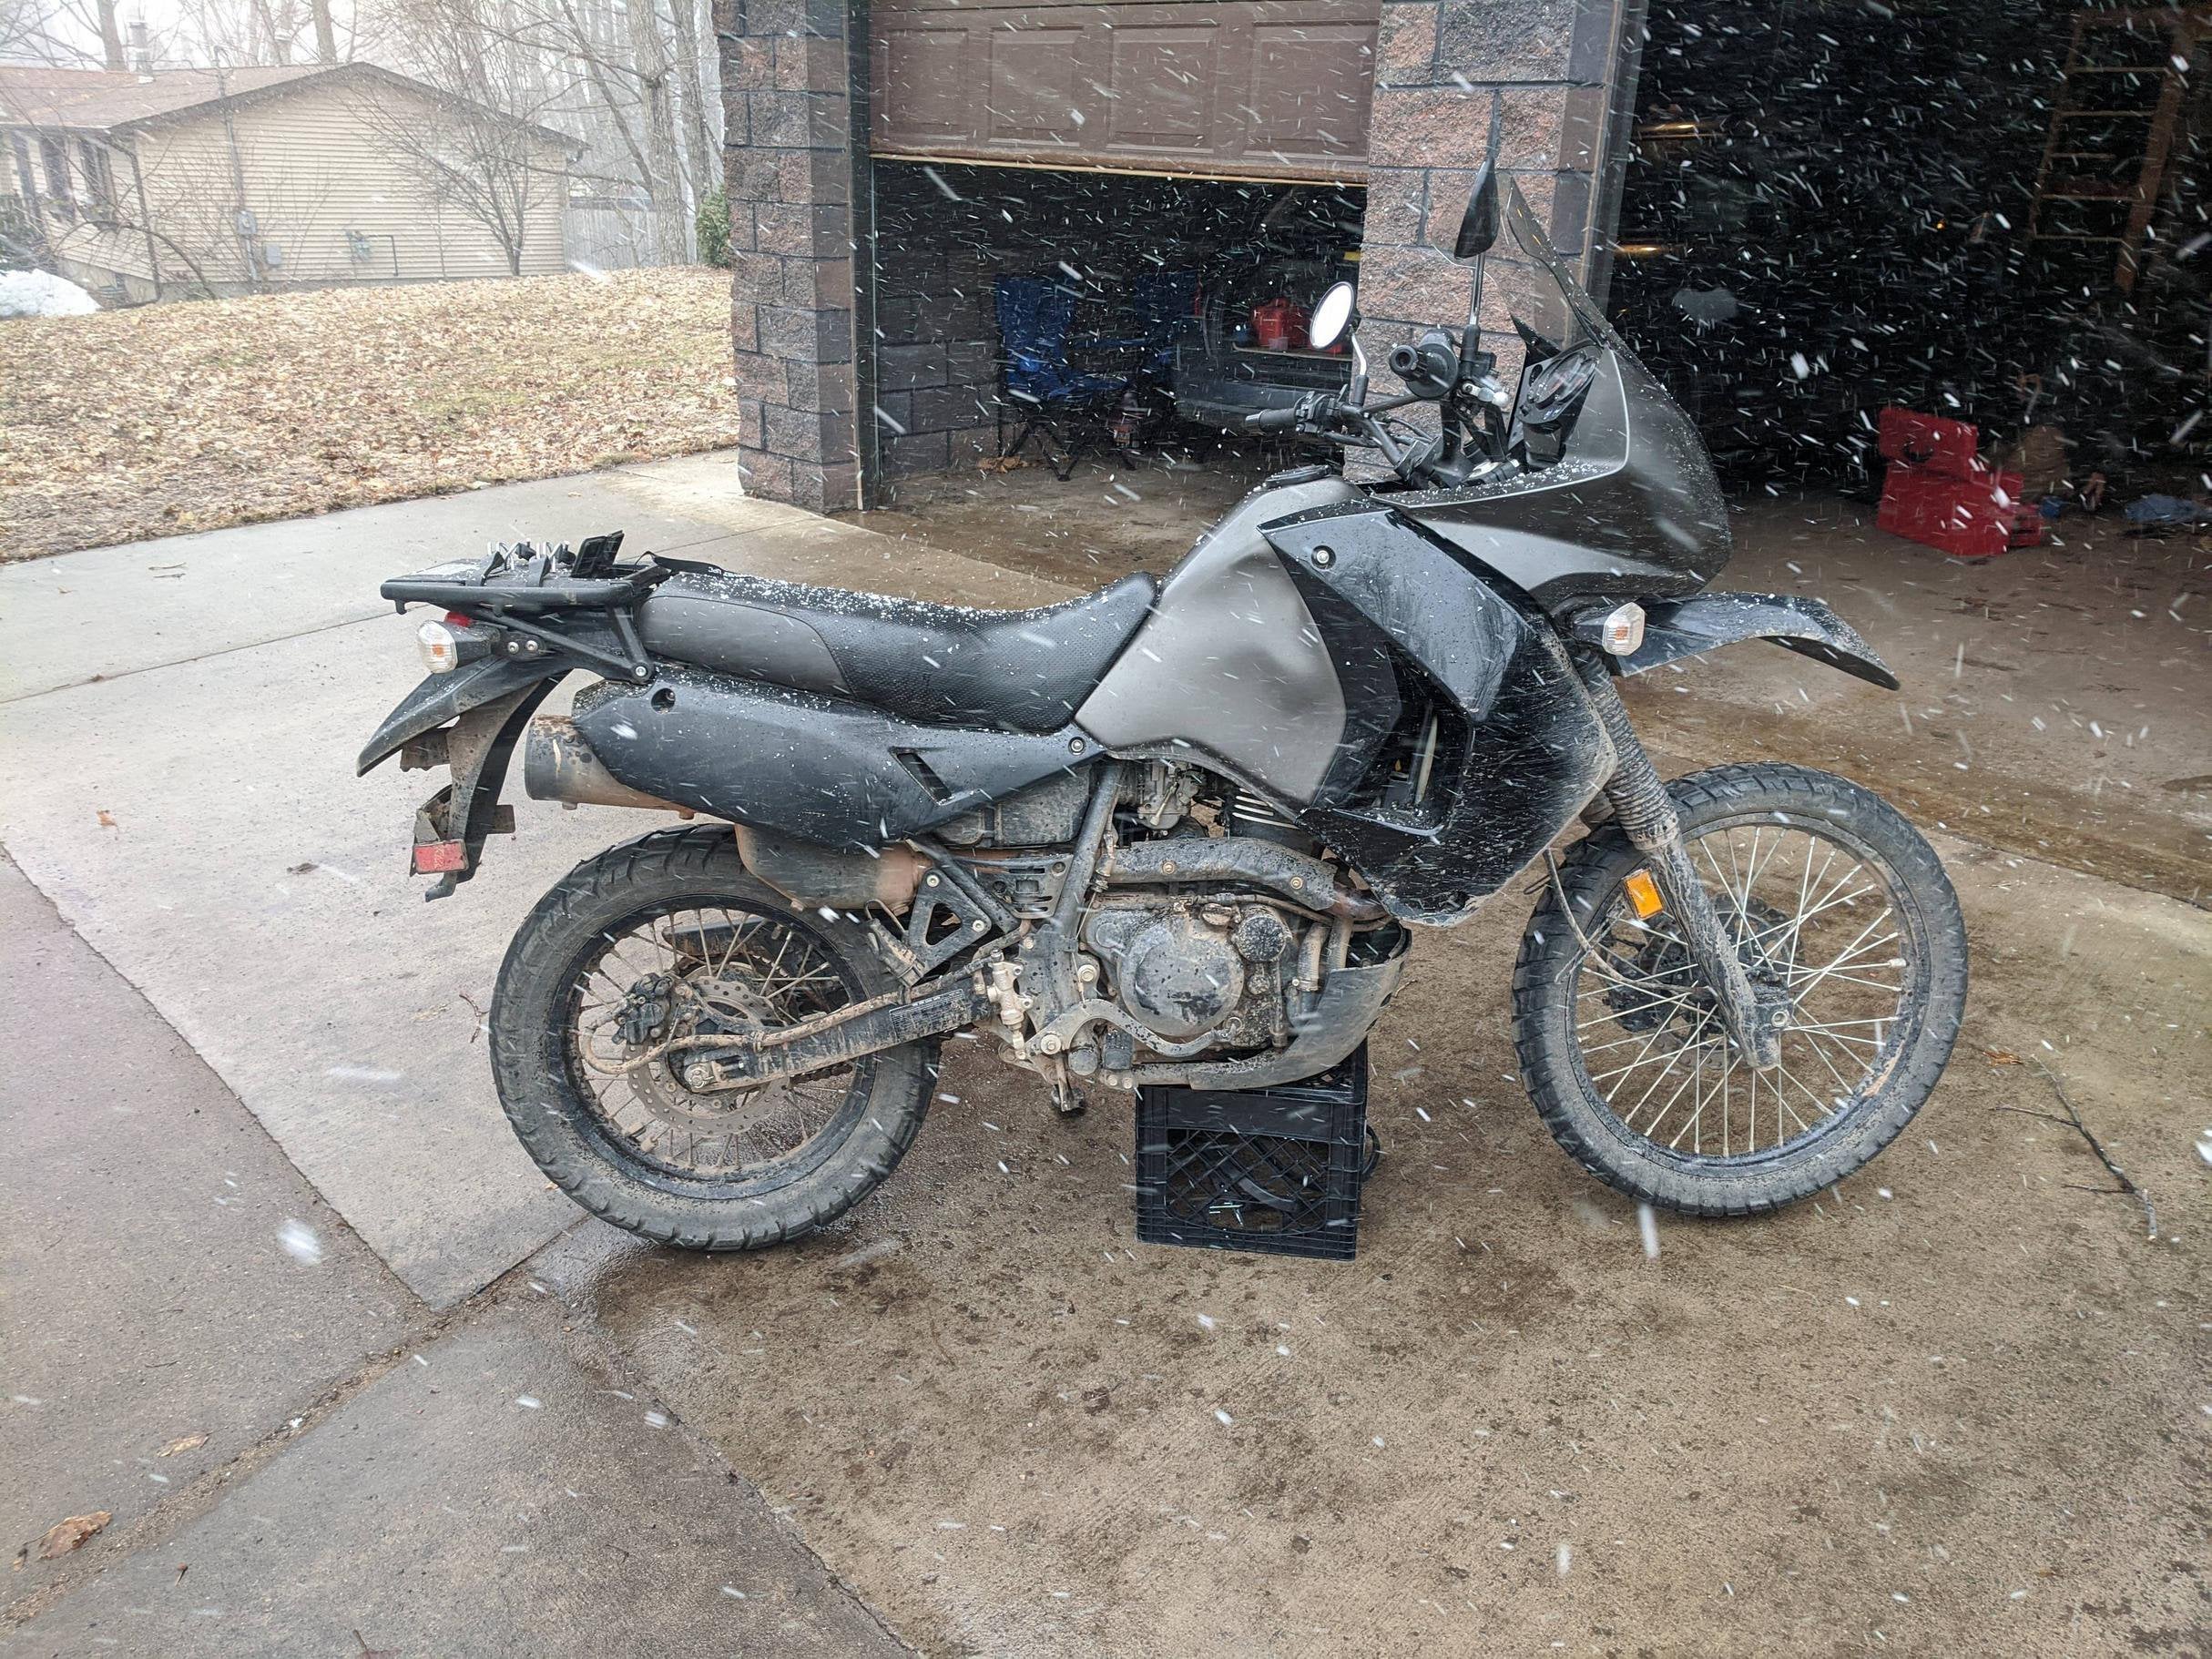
(1478, 228)
(1331, 317)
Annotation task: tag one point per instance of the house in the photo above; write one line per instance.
(144, 185)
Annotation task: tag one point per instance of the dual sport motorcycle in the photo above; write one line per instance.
(1182, 832)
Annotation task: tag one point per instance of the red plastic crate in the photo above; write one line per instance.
(1931, 442)
(1969, 518)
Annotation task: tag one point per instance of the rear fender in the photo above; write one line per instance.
(445, 696)
(451, 826)
(1688, 627)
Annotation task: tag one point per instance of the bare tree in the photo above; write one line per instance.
(64, 34)
(27, 34)
(626, 78)
(698, 123)
(475, 146)
(664, 189)
(111, 35)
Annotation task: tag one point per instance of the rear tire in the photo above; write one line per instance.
(635, 1175)
(1594, 981)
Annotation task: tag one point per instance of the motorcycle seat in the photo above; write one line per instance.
(938, 664)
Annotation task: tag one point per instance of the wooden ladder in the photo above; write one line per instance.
(2144, 139)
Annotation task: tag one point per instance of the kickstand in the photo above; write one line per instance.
(1066, 1099)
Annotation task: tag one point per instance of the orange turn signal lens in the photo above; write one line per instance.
(1643, 894)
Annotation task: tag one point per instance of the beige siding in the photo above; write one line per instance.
(315, 168)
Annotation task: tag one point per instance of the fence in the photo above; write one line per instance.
(609, 232)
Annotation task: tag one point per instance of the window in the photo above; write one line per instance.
(99, 169)
(55, 154)
(27, 181)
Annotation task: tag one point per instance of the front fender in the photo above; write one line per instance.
(1686, 628)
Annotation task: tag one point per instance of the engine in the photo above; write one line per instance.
(1212, 927)
(1188, 970)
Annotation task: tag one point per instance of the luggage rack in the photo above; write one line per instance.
(521, 590)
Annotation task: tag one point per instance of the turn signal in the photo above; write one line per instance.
(1622, 631)
(440, 646)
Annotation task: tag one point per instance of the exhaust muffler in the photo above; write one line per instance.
(559, 765)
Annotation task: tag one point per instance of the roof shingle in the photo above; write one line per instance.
(96, 99)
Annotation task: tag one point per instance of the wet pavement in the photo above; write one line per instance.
(284, 1451)
(157, 1327)
(496, 1492)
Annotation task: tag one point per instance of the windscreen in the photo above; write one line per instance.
(1527, 289)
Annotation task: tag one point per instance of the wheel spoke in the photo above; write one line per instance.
(720, 971)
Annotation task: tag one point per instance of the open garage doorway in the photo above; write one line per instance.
(1047, 316)
(1096, 226)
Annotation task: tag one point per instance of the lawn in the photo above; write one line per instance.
(182, 417)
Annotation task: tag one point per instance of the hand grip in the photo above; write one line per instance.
(1272, 420)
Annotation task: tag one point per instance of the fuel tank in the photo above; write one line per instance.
(1230, 651)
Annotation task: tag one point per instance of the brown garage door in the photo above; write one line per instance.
(1232, 89)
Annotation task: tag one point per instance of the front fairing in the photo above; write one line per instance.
(1610, 496)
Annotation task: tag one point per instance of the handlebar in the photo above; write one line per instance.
(1329, 414)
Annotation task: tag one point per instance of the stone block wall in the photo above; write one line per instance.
(788, 160)
(1529, 81)
(936, 334)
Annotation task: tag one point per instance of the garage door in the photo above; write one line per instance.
(1238, 89)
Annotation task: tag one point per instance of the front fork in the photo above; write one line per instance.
(1646, 813)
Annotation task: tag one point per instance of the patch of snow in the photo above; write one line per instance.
(41, 294)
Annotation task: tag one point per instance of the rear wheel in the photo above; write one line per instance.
(1835, 901)
(614, 999)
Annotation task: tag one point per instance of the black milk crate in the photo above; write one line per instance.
(1277, 1171)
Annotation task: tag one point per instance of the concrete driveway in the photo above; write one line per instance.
(178, 721)
(1959, 1407)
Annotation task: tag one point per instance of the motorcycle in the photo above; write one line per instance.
(1182, 832)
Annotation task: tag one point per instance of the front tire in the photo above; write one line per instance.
(602, 1027)
(1831, 896)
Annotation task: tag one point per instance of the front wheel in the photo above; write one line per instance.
(1834, 900)
(618, 997)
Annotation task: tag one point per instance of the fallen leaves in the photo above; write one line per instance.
(64, 1536)
(180, 417)
(183, 1443)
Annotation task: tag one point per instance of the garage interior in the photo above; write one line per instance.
(1120, 189)
(1989, 209)
(1104, 241)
